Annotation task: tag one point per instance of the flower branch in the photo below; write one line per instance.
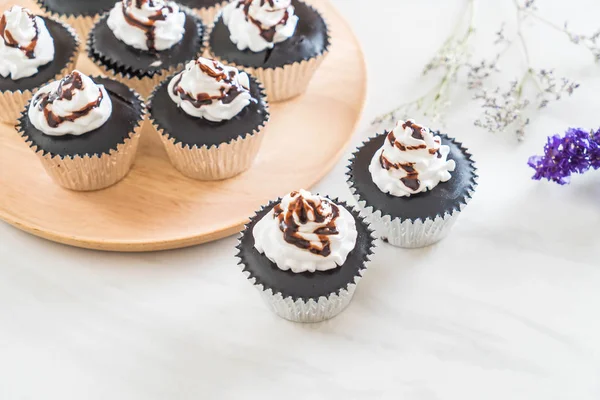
(503, 108)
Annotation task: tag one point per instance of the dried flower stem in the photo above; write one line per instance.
(502, 108)
(452, 56)
(592, 42)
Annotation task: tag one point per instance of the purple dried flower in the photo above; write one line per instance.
(576, 152)
(595, 150)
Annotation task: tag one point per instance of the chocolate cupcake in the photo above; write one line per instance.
(80, 14)
(412, 184)
(33, 51)
(305, 254)
(85, 131)
(142, 42)
(210, 118)
(280, 42)
(207, 9)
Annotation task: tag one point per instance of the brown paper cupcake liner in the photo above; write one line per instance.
(13, 102)
(87, 172)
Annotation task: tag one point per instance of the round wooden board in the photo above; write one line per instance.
(155, 207)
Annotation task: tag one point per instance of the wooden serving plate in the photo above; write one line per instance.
(155, 207)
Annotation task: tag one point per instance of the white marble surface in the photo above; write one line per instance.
(505, 308)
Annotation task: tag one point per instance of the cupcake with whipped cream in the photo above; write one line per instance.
(84, 130)
(210, 118)
(141, 42)
(207, 9)
(306, 253)
(80, 14)
(412, 184)
(282, 42)
(34, 50)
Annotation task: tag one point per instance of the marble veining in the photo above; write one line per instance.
(505, 308)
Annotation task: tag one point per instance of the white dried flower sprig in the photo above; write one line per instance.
(502, 108)
(590, 42)
(450, 58)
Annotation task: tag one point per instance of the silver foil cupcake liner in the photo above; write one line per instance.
(89, 172)
(13, 102)
(217, 162)
(287, 81)
(412, 233)
(82, 24)
(213, 163)
(309, 310)
(209, 14)
(142, 82)
(406, 233)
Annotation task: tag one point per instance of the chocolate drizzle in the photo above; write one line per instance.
(10, 41)
(228, 92)
(65, 91)
(148, 27)
(417, 129)
(266, 33)
(401, 147)
(306, 211)
(411, 180)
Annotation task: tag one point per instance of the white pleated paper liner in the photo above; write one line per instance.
(419, 220)
(211, 155)
(305, 297)
(284, 81)
(96, 159)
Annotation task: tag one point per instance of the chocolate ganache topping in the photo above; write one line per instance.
(306, 232)
(208, 89)
(259, 24)
(73, 105)
(411, 161)
(151, 25)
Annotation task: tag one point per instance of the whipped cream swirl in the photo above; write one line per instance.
(210, 90)
(25, 43)
(306, 233)
(74, 105)
(259, 24)
(412, 160)
(150, 25)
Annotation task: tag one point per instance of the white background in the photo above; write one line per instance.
(506, 308)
